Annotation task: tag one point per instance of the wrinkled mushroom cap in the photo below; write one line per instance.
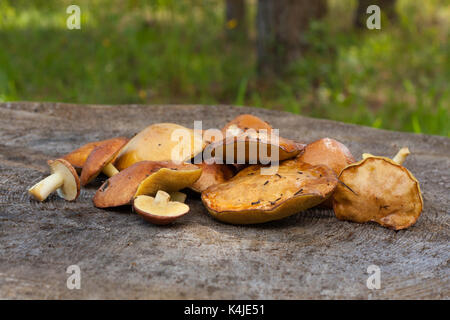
(78, 157)
(100, 157)
(159, 213)
(329, 152)
(212, 174)
(145, 178)
(251, 197)
(382, 191)
(157, 143)
(70, 190)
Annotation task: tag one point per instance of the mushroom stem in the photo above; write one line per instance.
(110, 170)
(43, 188)
(401, 155)
(177, 196)
(162, 198)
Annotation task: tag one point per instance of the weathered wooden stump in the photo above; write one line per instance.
(309, 255)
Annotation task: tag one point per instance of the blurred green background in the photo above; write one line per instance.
(170, 51)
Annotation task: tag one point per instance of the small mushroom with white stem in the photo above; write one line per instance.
(381, 190)
(78, 157)
(63, 179)
(161, 209)
(100, 160)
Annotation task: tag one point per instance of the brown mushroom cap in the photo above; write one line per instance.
(155, 143)
(253, 146)
(329, 152)
(212, 174)
(63, 179)
(99, 158)
(244, 122)
(382, 191)
(145, 178)
(251, 197)
(78, 157)
(248, 132)
(160, 209)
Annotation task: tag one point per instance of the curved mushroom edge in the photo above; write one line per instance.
(155, 143)
(77, 157)
(155, 218)
(212, 174)
(74, 175)
(308, 191)
(247, 121)
(120, 189)
(100, 157)
(287, 149)
(384, 223)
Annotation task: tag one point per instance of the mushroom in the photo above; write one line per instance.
(178, 196)
(252, 197)
(381, 190)
(160, 142)
(328, 152)
(246, 136)
(145, 178)
(161, 209)
(212, 174)
(244, 122)
(78, 157)
(100, 160)
(63, 179)
(252, 147)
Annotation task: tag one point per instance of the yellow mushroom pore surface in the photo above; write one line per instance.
(69, 189)
(385, 193)
(169, 180)
(170, 209)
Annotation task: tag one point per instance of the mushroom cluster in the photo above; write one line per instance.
(232, 176)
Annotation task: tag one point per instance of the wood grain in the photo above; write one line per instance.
(308, 255)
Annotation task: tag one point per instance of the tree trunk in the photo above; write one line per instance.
(386, 6)
(235, 18)
(281, 25)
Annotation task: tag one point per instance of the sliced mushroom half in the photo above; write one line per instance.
(252, 197)
(381, 190)
(63, 179)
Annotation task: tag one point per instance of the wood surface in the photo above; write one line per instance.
(308, 255)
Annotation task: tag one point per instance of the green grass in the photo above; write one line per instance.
(171, 51)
